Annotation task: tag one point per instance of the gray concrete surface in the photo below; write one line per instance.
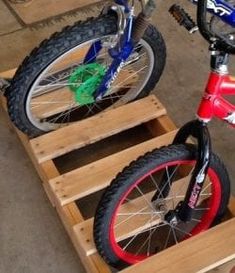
(32, 238)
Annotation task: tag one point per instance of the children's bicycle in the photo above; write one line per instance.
(175, 192)
(87, 68)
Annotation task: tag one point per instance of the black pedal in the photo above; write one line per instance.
(183, 18)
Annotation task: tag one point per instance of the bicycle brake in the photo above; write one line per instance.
(183, 18)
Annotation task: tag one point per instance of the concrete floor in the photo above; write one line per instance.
(32, 238)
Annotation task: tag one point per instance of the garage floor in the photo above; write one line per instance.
(32, 238)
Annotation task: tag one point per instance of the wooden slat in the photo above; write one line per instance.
(232, 206)
(84, 230)
(93, 129)
(225, 268)
(94, 177)
(161, 125)
(70, 216)
(8, 74)
(198, 254)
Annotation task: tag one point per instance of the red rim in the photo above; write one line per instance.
(206, 219)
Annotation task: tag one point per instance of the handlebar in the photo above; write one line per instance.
(217, 42)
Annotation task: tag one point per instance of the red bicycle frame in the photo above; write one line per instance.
(213, 104)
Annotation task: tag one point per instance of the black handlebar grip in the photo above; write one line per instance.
(183, 18)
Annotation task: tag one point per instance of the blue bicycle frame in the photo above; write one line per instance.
(224, 10)
(121, 52)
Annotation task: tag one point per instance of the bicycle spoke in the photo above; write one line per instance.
(174, 235)
(128, 218)
(168, 237)
(154, 228)
(142, 194)
(196, 220)
(180, 230)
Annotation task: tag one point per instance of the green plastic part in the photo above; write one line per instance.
(85, 80)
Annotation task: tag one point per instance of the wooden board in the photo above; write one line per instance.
(8, 21)
(38, 10)
(228, 267)
(93, 129)
(199, 254)
(8, 74)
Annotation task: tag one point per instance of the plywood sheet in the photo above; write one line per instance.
(8, 22)
(38, 10)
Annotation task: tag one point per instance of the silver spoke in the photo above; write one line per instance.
(207, 186)
(167, 183)
(142, 194)
(154, 228)
(128, 218)
(202, 209)
(180, 230)
(168, 237)
(141, 213)
(174, 235)
(196, 220)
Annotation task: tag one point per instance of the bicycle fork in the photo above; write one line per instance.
(130, 32)
(198, 129)
(183, 211)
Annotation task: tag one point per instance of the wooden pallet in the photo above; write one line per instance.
(68, 187)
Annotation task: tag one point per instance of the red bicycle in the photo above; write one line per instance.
(173, 193)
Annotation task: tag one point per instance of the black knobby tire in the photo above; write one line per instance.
(59, 43)
(125, 180)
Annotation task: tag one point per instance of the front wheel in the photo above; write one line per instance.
(129, 226)
(43, 97)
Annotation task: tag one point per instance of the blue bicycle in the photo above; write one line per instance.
(87, 68)
(94, 65)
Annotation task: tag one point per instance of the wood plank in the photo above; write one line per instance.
(94, 177)
(161, 125)
(8, 24)
(50, 171)
(198, 254)
(84, 230)
(232, 206)
(70, 216)
(8, 74)
(225, 268)
(93, 129)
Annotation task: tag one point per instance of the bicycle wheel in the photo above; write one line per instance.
(129, 227)
(41, 96)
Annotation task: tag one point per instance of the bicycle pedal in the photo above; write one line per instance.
(183, 18)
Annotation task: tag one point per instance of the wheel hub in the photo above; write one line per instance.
(85, 80)
(171, 217)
